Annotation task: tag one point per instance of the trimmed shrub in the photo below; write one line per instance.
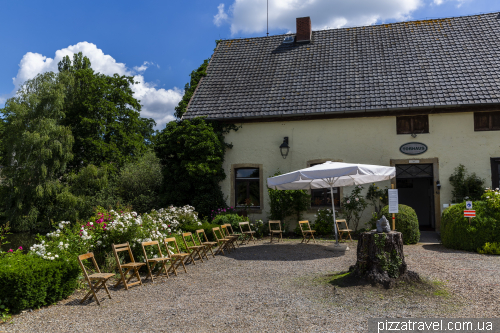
(28, 281)
(406, 223)
(205, 226)
(232, 219)
(457, 233)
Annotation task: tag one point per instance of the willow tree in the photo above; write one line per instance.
(37, 149)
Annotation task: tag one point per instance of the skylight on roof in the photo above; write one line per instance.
(288, 39)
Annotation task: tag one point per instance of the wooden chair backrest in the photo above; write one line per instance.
(224, 230)
(302, 223)
(214, 230)
(186, 242)
(151, 243)
(271, 222)
(229, 228)
(85, 257)
(247, 223)
(122, 247)
(166, 241)
(341, 221)
(201, 231)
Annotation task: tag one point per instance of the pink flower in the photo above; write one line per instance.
(11, 250)
(348, 201)
(20, 248)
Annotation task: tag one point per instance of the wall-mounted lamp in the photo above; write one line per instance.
(284, 148)
(438, 185)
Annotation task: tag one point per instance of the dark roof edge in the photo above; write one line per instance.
(365, 112)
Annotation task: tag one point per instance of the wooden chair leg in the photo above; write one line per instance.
(137, 275)
(122, 280)
(314, 239)
(106, 288)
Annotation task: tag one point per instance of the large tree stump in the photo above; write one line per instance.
(380, 259)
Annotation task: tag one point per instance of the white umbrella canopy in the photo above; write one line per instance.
(329, 175)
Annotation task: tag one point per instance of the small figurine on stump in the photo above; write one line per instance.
(380, 257)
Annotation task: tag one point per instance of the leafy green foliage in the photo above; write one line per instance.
(139, 182)
(285, 203)
(190, 87)
(37, 149)
(389, 262)
(458, 233)
(232, 219)
(192, 153)
(103, 115)
(406, 223)
(378, 197)
(465, 186)
(28, 281)
(324, 222)
(490, 248)
(353, 207)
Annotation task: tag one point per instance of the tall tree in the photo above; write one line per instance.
(103, 115)
(37, 149)
(192, 153)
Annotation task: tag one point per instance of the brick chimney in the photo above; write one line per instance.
(303, 29)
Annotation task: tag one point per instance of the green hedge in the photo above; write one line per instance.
(457, 233)
(205, 226)
(28, 281)
(406, 223)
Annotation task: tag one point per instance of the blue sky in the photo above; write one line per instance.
(161, 42)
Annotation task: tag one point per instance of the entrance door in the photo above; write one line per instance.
(416, 189)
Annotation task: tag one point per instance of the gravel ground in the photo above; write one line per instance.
(278, 288)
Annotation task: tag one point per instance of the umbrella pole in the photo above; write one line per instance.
(334, 219)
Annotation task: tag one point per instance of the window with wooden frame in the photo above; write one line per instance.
(487, 121)
(495, 172)
(412, 124)
(247, 187)
(321, 197)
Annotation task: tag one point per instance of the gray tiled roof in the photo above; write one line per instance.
(432, 63)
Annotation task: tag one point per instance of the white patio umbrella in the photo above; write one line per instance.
(329, 175)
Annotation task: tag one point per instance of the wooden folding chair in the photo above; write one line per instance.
(208, 245)
(193, 249)
(345, 230)
(275, 231)
(247, 234)
(231, 233)
(132, 265)
(306, 232)
(160, 260)
(231, 239)
(222, 241)
(101, 278)
(177, 258)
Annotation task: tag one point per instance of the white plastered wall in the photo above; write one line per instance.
(451, 139)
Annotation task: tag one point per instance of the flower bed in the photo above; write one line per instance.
(114, 227)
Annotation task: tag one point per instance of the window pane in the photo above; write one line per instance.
(495, 120)
(247, 173)
(241, 192)
(421, 124)
(321, 197)
(254, 193)
(403, 125)
(481, 121)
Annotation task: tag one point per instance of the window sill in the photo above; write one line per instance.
(315, 209)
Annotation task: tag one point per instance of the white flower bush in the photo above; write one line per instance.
(108, 227)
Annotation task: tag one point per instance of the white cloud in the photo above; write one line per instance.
(156, 103)
(221, 16)
(249, 16)
(459, 2)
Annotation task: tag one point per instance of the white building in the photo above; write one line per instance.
(423, 96)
